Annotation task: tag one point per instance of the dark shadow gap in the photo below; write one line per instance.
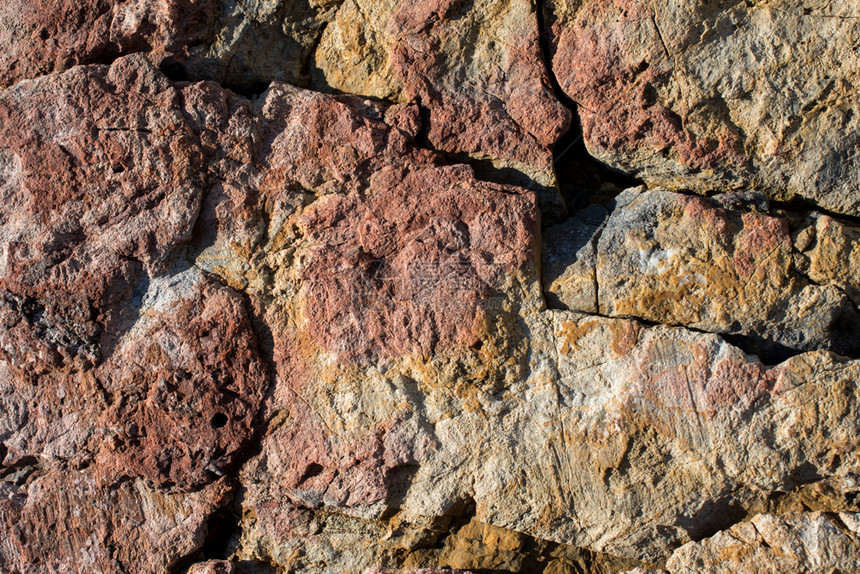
(223, 530)
(583, 179)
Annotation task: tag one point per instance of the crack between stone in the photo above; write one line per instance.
(312, 53)
(801, 205)
(795, 206)
(546, 56)
(735, 340)
(660, 35)
(97, 61)
(571, 147)
(223, 525)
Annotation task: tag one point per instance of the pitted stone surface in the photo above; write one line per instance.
(339, 321)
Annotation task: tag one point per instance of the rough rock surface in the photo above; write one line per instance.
(476, 70)
(672, 434)
(808, 542)
(252, 321)
(795, 542)
(244, 45)
(120, 374)
(717, 96)
(779, 282)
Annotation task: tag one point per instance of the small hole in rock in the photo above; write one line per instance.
(219, 420)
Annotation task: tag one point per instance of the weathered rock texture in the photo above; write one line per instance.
(289, 287)
(476, 70)
(795, 542)
(718, 265)
(245, 45)
(717, 96)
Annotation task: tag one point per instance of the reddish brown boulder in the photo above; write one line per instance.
(431, 249)
(476, 70)
(186, 387)
(717, 96)
(56, 520)
(130, 383)
(102, 181)
(50, 35)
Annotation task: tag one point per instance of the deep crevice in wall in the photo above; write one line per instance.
(223, 529)
(582, 178)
